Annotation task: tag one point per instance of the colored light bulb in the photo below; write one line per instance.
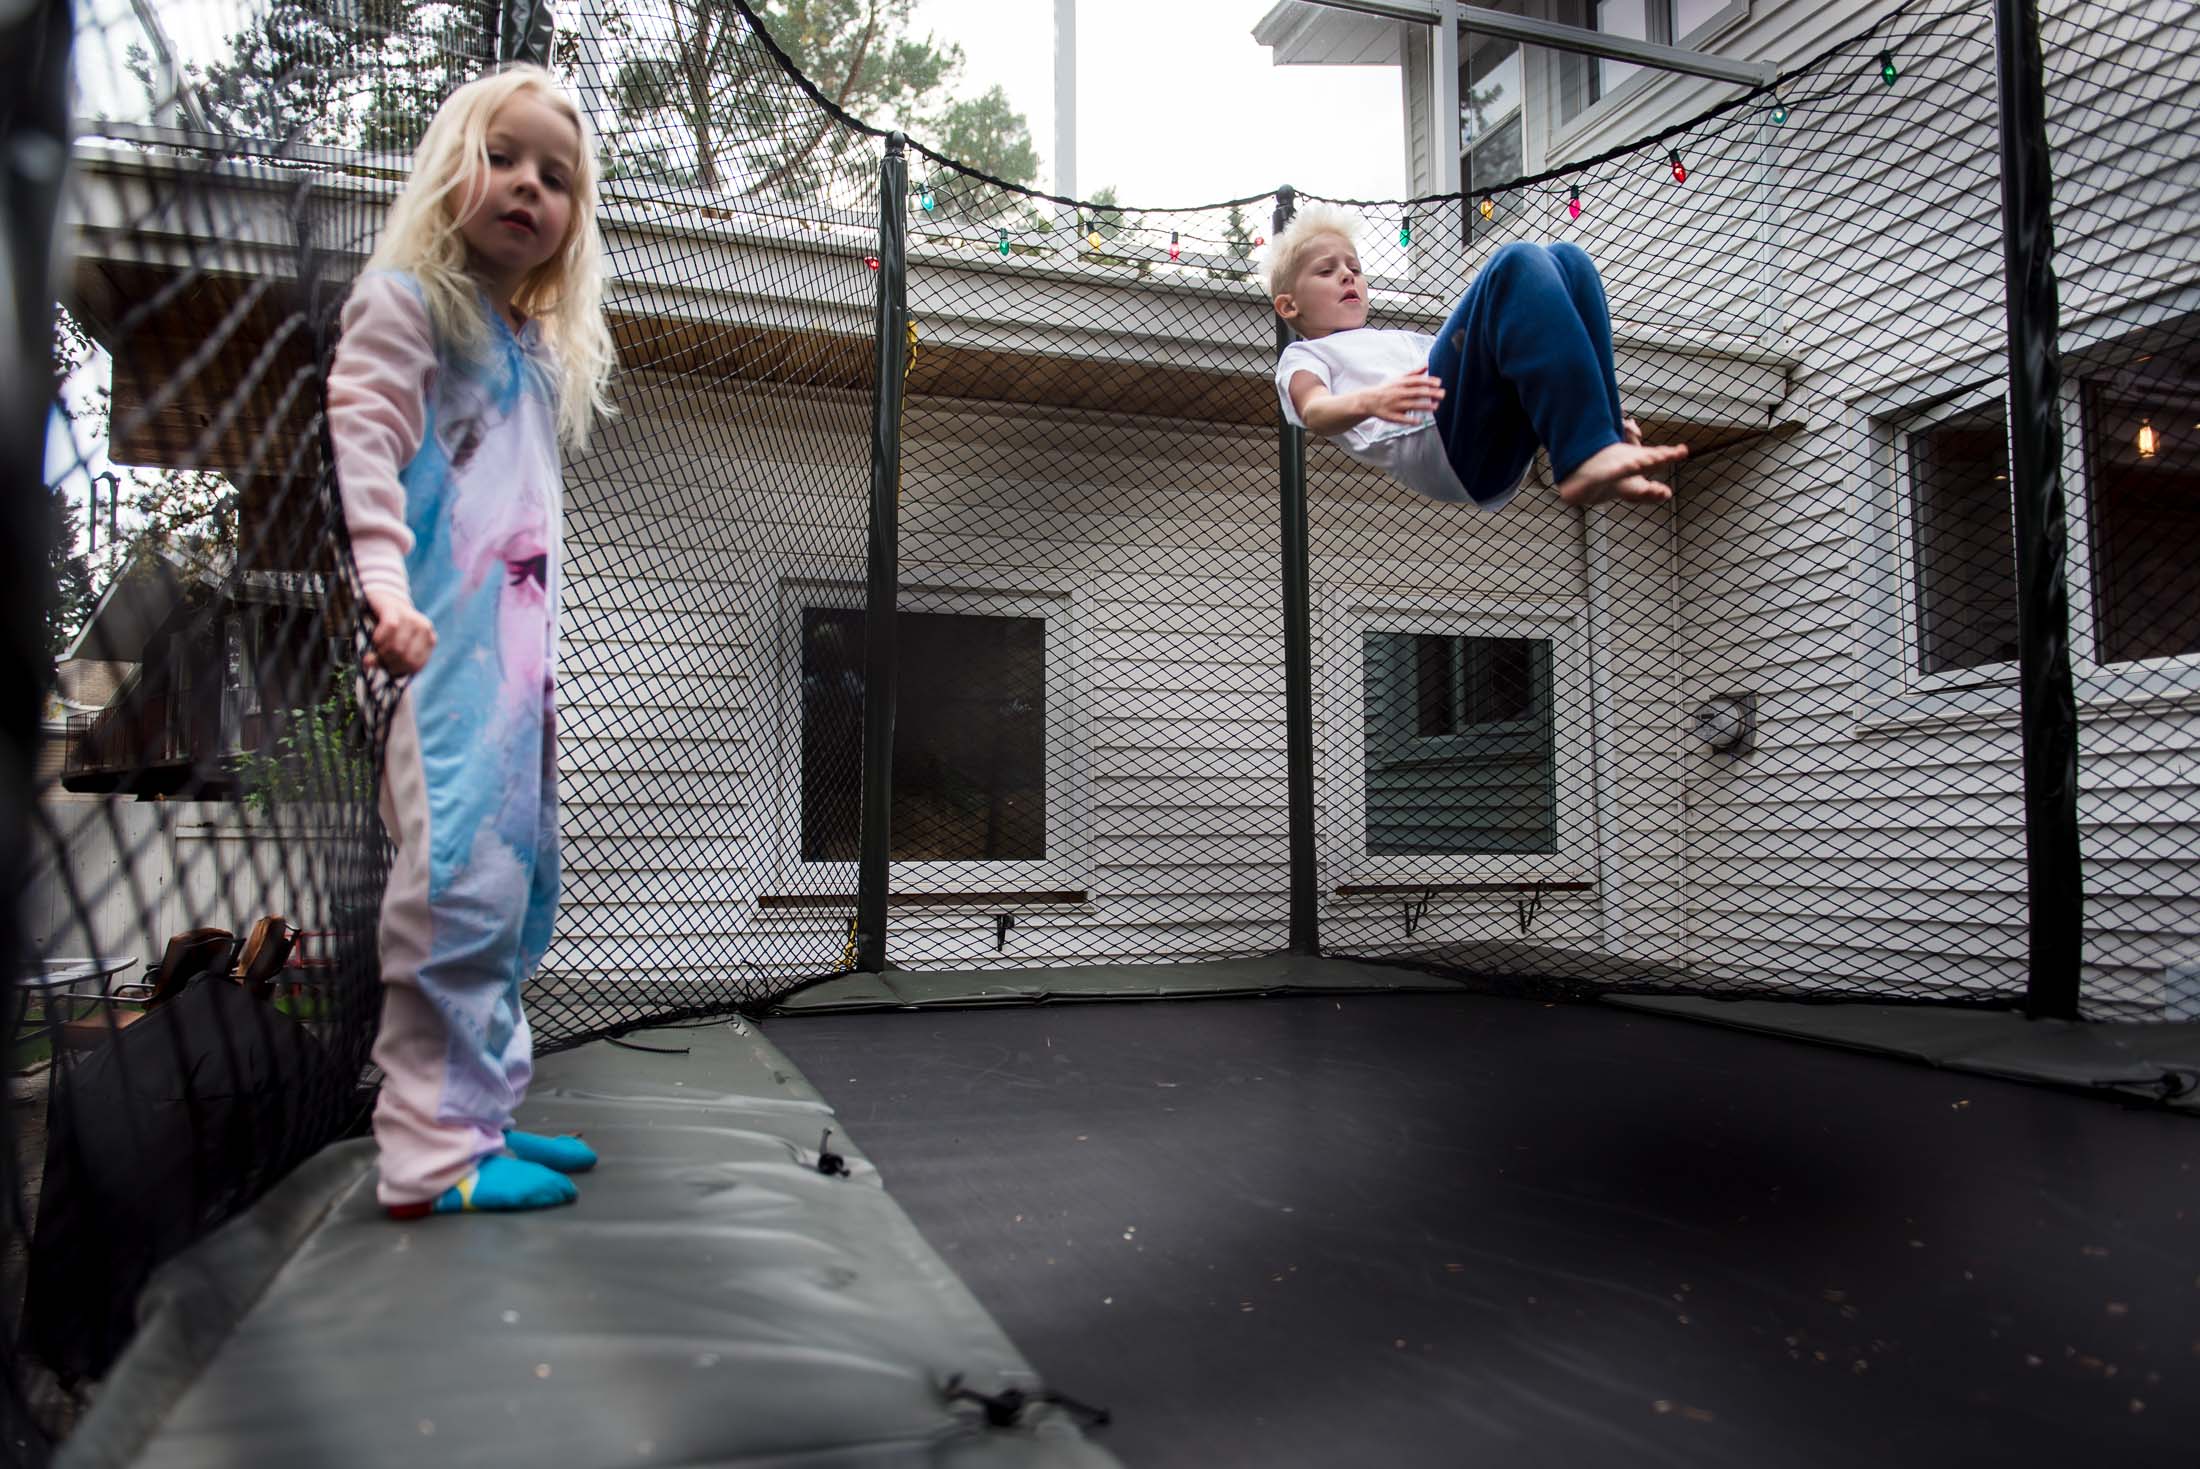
(1259, 240)
(1405, 230)
(927, 200)
(1093, 239)
(1779, 108)
(1489, 206)
(2149, 445)
(871, 260)
(1175, 249)
(1573, 203)
(1680, 169)
(1004, 244)
(1887, 73)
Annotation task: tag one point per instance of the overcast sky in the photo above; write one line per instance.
(1177, 104)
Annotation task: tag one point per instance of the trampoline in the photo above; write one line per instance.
(1097, 932)
(1437, 1229)
(1425, 1227)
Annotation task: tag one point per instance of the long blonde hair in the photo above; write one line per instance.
(564, 294)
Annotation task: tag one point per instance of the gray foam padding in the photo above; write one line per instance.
(1221, 978)
(713, 1299)
(2157, 1062)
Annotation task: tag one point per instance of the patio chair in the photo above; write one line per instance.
(189, 954)
(266, 949)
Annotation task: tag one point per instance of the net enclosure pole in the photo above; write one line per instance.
(2048, 707)
(883, 569)
(523, 31)
(34, 156)
(1298, 649)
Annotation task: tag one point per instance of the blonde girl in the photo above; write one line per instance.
(474, 350)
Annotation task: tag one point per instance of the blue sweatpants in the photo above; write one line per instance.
(1526, 358)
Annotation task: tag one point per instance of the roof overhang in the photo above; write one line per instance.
(1307, 33)
(138, 603)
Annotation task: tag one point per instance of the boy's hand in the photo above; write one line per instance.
(1404, 399)
(403, 636)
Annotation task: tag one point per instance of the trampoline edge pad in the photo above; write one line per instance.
(714, 1297)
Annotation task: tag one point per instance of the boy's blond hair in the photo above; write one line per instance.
(450, 173)
(1287, 257)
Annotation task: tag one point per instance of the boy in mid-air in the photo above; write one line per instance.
(1526, 358)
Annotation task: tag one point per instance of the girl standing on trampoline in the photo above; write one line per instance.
(1526, 358)
(473, 348)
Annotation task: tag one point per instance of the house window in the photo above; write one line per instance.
(970, 737)
(1461, 754)
(1961, 555)
(2142, 457)
(1584, 81)
(1491, 92)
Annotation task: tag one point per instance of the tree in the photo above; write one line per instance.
(992, 137)
(1238, 232)
(188, 510)
(70, 600)
(293, 73)
(699, 102)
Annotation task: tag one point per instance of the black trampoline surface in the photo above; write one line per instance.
(1421, 1229)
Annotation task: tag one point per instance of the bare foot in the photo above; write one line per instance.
(1620, 472)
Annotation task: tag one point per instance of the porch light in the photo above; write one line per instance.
(1680, 169)
(2147, 441)
(1175, 249)
(1573, 202)
(1887, 73)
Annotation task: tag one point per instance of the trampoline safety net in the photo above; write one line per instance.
(993, 485)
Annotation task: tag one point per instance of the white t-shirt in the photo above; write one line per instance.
(1363, 357)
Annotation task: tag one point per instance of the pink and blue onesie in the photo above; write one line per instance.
(450, 476)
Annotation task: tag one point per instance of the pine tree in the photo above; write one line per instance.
(70, 574)
(1238, 232)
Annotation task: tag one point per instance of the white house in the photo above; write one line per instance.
(1873, 828)
(1508, 768)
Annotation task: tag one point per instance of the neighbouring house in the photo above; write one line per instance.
(82, 688)
(214, 660)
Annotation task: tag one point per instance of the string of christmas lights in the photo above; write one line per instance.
(1889, 73)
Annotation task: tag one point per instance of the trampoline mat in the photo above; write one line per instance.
(1462, 1230)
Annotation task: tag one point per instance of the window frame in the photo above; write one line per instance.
(1561, 134)
(1915, 680)
(1520, 114)
(1899, 700)
(1347, 861)
(2084, 569)
(1063, 868)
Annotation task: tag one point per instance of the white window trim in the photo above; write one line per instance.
(1347, 860)
(1560, 138)
(1062, 608)
(1904, 529)
(1897, 699)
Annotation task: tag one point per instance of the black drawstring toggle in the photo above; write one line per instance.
(1005, 1409)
